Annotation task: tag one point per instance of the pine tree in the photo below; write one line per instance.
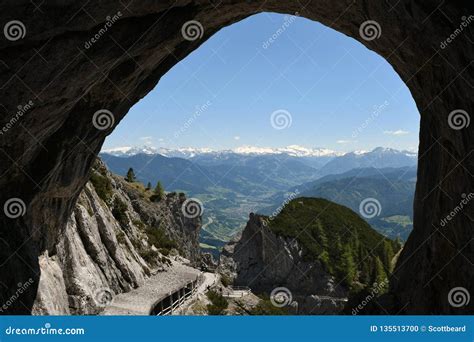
(130, 177)
(148, 186)
(158, 193)
(379, 275)
(348, 267)
(321, 235)
(388, 254)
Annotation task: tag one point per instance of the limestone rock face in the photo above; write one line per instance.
(52, 296)
(46, 151)
(264, 261)
(97, 256)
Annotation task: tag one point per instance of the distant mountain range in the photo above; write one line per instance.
(380, 157)
(393, 188)
(232, 183)
(328, 161)
(189, 152)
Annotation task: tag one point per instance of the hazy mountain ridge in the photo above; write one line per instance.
(232, 183)
(394, 188)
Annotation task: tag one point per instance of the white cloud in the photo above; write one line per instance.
(236, 137)
(343, 142)
(397, 132)
(147, 140)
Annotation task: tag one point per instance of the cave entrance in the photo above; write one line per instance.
(55, 146)
(271, 109)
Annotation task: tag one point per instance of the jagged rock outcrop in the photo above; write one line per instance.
(99, 256)
(262, 260)
(47, 149)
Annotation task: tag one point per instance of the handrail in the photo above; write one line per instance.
(189, 288)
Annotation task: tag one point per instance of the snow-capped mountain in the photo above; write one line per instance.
(292, 150)
(190, 152)
(325, 160)
(380, 157)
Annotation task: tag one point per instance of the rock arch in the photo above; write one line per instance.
(73, 58)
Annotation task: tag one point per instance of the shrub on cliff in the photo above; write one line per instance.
(218, 303)
(119, 211)
(102, 186)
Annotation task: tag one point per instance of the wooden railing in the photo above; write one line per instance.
(173, 301)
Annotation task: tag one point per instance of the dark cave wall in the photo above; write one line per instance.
(45, 157)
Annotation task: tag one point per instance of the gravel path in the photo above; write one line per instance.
(139, 301)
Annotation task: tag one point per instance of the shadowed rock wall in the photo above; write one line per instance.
(67, 67)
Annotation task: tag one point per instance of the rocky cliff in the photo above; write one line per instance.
(316, 250)
(114, 239)
(265, 261)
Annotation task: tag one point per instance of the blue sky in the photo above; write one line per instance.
(339, 94)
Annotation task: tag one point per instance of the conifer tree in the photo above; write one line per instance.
(130, 177)
(158, 193)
